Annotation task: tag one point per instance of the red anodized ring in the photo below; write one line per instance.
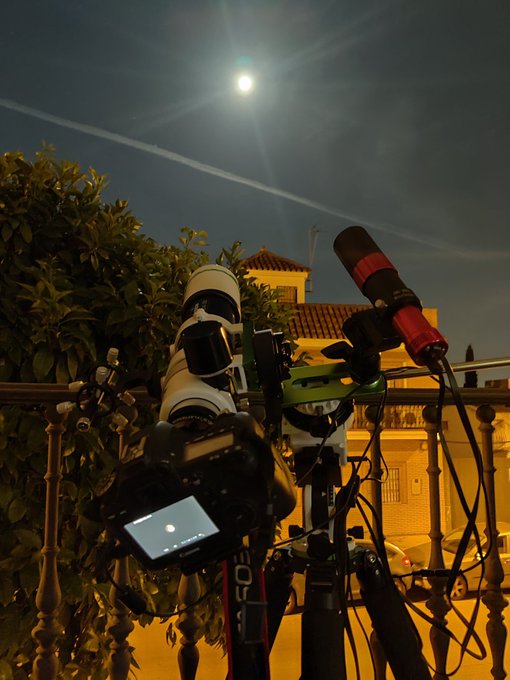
(369, 265)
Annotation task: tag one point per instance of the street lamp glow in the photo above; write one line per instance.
(245, 83)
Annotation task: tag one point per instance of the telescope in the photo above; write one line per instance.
(191, 487)
(207, 483)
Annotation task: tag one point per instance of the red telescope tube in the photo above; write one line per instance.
(379, 281)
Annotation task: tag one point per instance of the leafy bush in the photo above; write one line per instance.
(77, 278)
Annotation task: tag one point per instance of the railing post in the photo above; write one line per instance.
(437, 602)
(375, 428)
(120, 624)
(190, 625)
(494, 575)
(49, 596)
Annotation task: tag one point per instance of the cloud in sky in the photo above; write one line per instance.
(232, 177)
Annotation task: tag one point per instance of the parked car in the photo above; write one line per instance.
(468, 578)
(400, 568)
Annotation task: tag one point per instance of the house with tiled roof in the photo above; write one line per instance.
(316, 325)
(287, 276)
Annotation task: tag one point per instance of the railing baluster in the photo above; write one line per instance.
(494, 575)
(49, 596)
(190, 625)
(120, 624)
(375, 428)
(437, 602)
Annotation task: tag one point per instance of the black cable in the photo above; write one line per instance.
(330, 431)
(364, 632)
(481, 487)
(442, 628)
(352, 642)
(343, 564)
(304, 534)
(451, 466)
(341, 554)
(375, 537)
(470, 624)
(368, 477)
(339, 514)
(378, 418)
(356, 468)
(471, 513)
(363, 457)
(130, 597)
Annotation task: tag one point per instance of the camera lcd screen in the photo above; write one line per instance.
(172, 528)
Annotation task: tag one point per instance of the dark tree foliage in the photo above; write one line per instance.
(76, 278)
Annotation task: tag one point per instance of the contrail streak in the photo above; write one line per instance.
(216, 172)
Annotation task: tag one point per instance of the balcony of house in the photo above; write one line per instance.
(408, 418)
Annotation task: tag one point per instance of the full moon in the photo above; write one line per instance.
(170, 528)
(245, 83)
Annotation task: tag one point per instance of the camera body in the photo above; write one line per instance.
(189, 500)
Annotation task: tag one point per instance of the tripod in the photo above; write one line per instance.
(326, 558)
(327, 563)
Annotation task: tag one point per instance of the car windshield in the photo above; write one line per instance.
(451, 542)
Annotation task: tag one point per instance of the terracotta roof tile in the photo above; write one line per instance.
(266, 260)
(317, 320)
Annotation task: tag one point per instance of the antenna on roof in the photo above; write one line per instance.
(313, 234)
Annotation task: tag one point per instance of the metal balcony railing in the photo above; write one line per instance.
(407, 417)
(405, 409)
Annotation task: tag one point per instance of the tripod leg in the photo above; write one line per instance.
(379, 656)
(322, 625)
(278, 578)
(391, 620)
(245, 618)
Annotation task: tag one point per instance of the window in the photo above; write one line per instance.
(391, 486)
(394, 486)
(287, 294)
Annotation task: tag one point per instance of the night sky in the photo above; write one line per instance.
(391, 114)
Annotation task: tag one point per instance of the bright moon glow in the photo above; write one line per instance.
(245, 83)
(170, 528)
